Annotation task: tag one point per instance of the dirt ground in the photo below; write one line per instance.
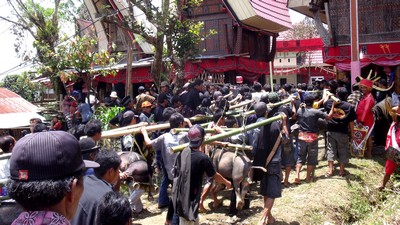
(299, 204)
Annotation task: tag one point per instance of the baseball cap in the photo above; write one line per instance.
(164, 83)
(141, 88)
(196, 134)
(309, 99)
(47, 155)
(146, 104)
(88, 145)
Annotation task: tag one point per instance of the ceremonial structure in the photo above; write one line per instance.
(243, 46)
(378, 26)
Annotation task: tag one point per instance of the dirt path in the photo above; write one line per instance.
(308, 203)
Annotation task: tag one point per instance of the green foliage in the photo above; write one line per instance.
(105, 114)
(22, 85)
(187, 36)
(80, 55)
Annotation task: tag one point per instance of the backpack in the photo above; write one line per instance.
(181, 185)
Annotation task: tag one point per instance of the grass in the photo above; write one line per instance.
(353, 199)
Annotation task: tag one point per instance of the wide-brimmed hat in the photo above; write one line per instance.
(113, 95)
(47, 155)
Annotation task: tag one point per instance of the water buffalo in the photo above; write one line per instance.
(235, 167)
(138, 170)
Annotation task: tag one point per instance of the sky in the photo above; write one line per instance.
(11, 64)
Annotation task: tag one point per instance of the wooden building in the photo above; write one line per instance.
(378, 33)
(243, 46)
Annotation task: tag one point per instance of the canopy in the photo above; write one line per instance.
(15, 111)
(250, 69)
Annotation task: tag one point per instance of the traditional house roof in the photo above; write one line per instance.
(15, 111)
(267, 15)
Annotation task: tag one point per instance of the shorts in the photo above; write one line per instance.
(288, 153)
(270, 184)
(338, 147)
(390, 167)
(308, 152)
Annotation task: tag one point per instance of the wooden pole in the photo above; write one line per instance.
(231, 133)
(112, 134)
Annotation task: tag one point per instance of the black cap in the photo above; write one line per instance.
(47, 155)
(162, 97)
(88, 145)
(309, 99)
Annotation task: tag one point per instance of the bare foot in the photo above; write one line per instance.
(202, 209)
(271, 220)
(262, 220)
(380, 188)
(217, 203)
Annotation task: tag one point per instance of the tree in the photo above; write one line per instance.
(22, 85)
(79, 56)
(172, 37)
(43, 23)
(305, 29)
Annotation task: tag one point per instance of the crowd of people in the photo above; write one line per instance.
(59, 178)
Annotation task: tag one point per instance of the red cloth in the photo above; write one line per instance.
(364, 112)
(390, 165)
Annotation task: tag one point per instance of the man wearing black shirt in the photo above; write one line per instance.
(199, 164)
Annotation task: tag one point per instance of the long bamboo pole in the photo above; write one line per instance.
(207, 130)
(231, 133)
(112, 134)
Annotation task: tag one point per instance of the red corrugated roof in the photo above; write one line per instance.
(10, 102)
(273, 10)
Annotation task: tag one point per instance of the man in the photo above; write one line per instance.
(46, 177)
(114, 209)
(127, 102)
(365, 116)
(340, 129)
(89, 151)
(146, 115)
(193, 99)
(93, 130)
(143, 97)
(189, 168)
(162, 104)
(308, 136)
(7, 144)
(269, 143)
(97, 185)
(165, 89)
(163, 144)
(114, 100)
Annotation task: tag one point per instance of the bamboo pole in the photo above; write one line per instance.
(230, 145)
(231, 133)
(112, 134)
(207, 130)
